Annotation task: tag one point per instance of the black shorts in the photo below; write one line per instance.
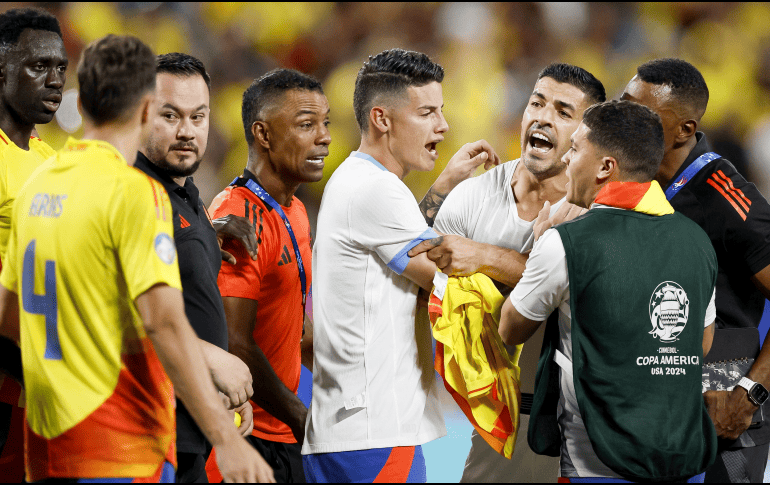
(285, 458)
(191, 467)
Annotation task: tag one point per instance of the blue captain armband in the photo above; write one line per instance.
(400, 260)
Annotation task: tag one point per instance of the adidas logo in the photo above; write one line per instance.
(285, 256)
(184, 222)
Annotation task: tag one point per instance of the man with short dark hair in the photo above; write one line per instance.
(374, 394)
(33, 65)
(91, 288)
(171, 153)
(624, 398)
(709, 190)
(285, 118)
(490, 223)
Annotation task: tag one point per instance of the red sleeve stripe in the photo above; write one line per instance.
(3, 138)
(724, 194)
(154, 196)
(730, 182)
(730, 191)
(163, 199)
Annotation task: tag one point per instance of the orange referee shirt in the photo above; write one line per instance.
(273, 281)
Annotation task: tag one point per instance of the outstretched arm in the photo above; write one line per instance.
(458, 256)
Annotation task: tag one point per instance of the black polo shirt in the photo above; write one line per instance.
(736, 218)
(199, 263)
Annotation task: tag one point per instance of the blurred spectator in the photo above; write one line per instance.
(492, 53)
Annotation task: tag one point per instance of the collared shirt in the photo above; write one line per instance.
(273, 282)
(736, 218)
(199, 263)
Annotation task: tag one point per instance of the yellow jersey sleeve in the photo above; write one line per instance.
(9, 277)
(142, 229)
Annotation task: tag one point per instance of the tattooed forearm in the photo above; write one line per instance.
(430, 205)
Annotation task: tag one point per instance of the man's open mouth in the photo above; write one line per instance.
(540, 142)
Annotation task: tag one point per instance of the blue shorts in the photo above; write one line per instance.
(403, 464)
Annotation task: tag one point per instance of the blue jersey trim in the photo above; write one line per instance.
(368, 158)
(400, 260)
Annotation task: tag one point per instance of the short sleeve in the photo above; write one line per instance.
(545, 282)
(453, 215)
(243, 279)
(711, 310)
(743, 222)
(9, 277)
(385, 218)
(141, 226)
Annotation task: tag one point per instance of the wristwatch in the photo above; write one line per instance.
(757, 392)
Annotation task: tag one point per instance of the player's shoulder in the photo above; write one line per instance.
(40, 147)
(720, 189)
(492, 181)
(236, 200)
(131, 185)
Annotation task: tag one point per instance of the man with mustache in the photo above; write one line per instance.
(33, 65)
(490, 221)
(615, 398)
(91, 289)
(285, 119)
(171, 153)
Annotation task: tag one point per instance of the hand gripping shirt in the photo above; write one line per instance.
(89, 235)
(273, 281)
(373, 378)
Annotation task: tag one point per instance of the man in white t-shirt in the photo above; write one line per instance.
(497, 214)
(374, 392)
(612, 175)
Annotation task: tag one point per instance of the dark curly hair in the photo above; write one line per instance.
(266, 89)
(15, 21)
(687, 85)
(388, 74)
(114, 73)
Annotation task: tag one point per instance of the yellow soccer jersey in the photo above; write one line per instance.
(16, 165)
(89, 235)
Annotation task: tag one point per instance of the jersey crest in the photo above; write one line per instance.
(669, 309)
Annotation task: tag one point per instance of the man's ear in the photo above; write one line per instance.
(608, 169)
(379, 119)
(260, 130)
(685, 131)
(147, 100)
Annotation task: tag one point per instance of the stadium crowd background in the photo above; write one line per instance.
(491, 52)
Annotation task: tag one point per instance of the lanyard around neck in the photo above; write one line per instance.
(269, 200)
(689, 173)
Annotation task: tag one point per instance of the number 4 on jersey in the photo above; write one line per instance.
(44, 304)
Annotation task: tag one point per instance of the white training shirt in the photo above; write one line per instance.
(373, 378)
(484, 210)
(543, 288)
